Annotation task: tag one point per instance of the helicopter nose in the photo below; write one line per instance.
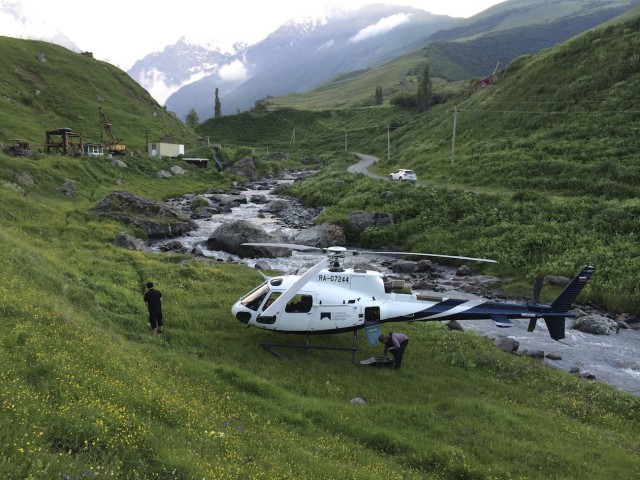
(241, 314)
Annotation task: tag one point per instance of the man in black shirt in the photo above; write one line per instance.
(153, 301)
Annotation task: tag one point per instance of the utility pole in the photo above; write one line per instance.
(345, 140)
(453, 139)
(293, 138)
(388, 145)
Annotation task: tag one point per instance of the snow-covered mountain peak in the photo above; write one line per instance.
(225, 47)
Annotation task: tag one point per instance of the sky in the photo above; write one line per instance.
(124, 31)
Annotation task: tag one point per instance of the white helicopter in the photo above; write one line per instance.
(329, 298)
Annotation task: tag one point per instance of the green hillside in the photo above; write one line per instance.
(469, 51)
(86, 391)
(565, 120)
(44, 87)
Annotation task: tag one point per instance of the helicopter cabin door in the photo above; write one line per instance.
(297, 314)
(372, 324)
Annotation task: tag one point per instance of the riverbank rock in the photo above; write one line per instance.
(156, 218)
(245, 167)
(508, 344)
(322, 236)
(230, 237)
(596, 324)
(124, 240)
(360, 221)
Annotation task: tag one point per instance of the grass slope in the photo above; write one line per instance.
(85, 391)
(44, 87)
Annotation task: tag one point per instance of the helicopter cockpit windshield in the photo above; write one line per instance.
(254, 299)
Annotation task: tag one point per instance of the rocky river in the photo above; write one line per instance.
(613, 358)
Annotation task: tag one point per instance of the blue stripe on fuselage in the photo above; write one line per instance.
(460, 309)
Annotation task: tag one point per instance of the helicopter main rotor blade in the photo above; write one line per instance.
(306, 248)
(294, 246)
(488, 260)
(290, 292)
(291, 246)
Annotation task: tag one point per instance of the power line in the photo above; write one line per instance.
(554, 112)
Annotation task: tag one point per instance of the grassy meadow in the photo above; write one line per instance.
(86, 391)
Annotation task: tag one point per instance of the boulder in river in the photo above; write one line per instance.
(321, 236)
(229, 237)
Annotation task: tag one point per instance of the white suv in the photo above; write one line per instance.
(403, 175)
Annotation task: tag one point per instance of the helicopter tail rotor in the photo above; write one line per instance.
(537, 288)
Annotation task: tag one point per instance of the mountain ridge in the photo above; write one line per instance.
(293, 60)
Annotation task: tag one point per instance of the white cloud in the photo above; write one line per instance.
(235, 70)
(383, 26)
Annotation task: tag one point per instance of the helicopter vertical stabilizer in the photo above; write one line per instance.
(572, 290)
(562, 304)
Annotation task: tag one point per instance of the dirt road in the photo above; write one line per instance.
(363, 166)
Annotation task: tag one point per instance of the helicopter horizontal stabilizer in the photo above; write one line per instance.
(501, 321)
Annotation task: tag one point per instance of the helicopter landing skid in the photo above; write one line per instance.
(269, 347)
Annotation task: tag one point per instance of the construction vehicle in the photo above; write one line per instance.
(113, 145)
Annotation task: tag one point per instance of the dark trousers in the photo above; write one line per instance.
(398, 353)
(155, 318)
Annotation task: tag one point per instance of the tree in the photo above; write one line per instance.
(378, 95)
(425, 90)
(217, 110)
(192, 118)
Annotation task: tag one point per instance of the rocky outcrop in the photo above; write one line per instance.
(596, 324)
(360, 221)
(124, 240)
(322, 236)
(245, 167)
(230, 237)
(157, 219)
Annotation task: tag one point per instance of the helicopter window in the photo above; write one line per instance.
(253, 299)
(271, 299)
(299, 304)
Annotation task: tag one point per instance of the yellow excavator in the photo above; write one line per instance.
(113, 145)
